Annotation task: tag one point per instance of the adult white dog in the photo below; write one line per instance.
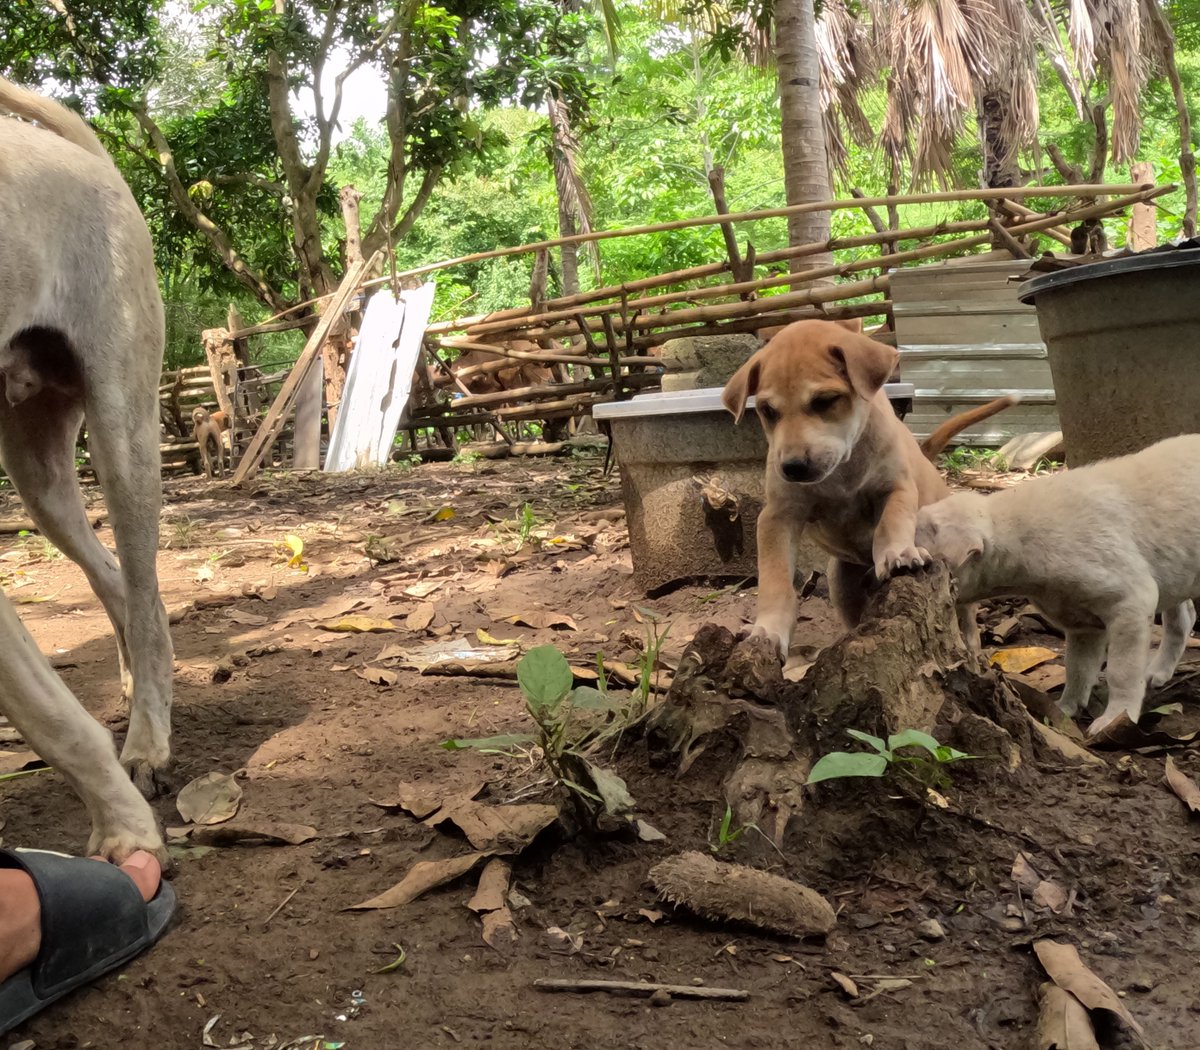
(1100, 549)
(81, 333)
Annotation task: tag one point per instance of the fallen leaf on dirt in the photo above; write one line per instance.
(499, 930)
(205, 573)
(1047, 677)
(246, 619)
(1022, 658)
(210, 799)
(378, 675)
(421, 617)
(440, 514)
(452, 651)
(1064, 745)
(1063, 1023)
(423, 589)
(16, 761)
(423, 876)
(651, 915)
(1066, 969)
(622, 672)
(888, 984)
(542, 621)
(562, 942)
(492, 891)
(419, 802)
(1024, 874)
(237, 832)
(294, 546)
(358, 623)
(1051, 895)
(611, 789)
(845, 984)
(495, 829)
(1183, 786)
(648, 832)
(1123, 735)
(487, 639)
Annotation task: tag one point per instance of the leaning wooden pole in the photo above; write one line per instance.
(285, 402)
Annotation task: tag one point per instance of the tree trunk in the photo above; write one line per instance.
(1187, 157)
(1000, 169)
(805, 162)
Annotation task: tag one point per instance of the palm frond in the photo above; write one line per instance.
(847, 66)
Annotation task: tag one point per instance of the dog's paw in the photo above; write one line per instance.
(150, 779)
(900, 559)
(1159, 677)
(778, 636)
(1109, 719)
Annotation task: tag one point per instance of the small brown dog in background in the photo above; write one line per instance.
(840, 463)
(206, 429)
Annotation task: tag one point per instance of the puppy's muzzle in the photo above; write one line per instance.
(800, 470)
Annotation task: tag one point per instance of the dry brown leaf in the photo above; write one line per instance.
(15, 761)
(539, 620)
(1183, 786)
(1051, 895)
(1066, 969)
(357, 623)
(246, 619)
(1022, 658)
(499, 930)
(495, 829)
(845, 984)
(492, 891)
(423, 589)
(210, 799)
(378, 675)
(423, 876)
(1024, 874)
(421, 617)
(255, 831)
(1063, 1023)
(1064, 745)
(1047, 677)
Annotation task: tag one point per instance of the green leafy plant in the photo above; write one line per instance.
(656, 636)
(927, 766)
(566, 739)
(38, 546)
(727, 834)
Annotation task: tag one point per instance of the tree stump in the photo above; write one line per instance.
(905, 667)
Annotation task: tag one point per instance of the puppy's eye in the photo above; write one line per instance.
(824, 402)
(768, 412)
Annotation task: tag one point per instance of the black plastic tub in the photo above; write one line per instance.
(1123, 341)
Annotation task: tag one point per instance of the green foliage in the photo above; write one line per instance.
(565, 742)
(927, 769)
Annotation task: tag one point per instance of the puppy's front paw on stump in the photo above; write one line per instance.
(900, 559)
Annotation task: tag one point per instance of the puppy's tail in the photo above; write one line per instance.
(22, 102)
(940, 438)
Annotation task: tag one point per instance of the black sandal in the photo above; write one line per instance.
(93, 920)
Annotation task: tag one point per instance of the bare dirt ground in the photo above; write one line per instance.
(301, 712)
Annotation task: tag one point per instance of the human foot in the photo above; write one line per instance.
(21, 911)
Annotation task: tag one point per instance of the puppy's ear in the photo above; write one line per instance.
(851, 324)
(868, 364)
(741, 386)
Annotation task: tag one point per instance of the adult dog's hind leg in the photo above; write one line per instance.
(37, 447)
(123, 439)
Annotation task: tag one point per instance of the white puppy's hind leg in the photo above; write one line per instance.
(1177, 627)
(1084, 658)
(1128, 656)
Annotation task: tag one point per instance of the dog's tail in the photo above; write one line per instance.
(940, 438)
(22, 102)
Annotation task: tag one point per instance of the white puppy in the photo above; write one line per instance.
(1099, 549)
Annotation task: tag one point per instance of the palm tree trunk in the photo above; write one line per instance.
(1000, 168)
(805, 162)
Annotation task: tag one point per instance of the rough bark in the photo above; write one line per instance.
(805, 160)
(731, 712)
(1143, 222)
(1000, 168)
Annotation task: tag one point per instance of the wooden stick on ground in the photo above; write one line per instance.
(269, 431)
(643, 989)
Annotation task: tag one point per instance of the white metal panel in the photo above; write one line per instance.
(379, 379)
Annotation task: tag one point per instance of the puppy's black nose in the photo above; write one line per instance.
(798, 470)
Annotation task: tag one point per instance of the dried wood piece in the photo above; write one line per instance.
(642, 989)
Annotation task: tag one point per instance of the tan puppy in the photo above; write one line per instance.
(206, 430)
(839, 463)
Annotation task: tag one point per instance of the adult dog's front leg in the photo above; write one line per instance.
(776, 614)
(1177, 627)
(69, 739)
(894, 547)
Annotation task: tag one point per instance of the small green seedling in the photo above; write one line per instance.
(927, 769)
(396, 963)
(567, 748)
(727, 834)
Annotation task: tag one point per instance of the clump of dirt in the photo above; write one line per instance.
(936, 915)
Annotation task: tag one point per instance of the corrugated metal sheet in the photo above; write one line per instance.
(964, 339)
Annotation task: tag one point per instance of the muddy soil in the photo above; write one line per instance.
(263, 689)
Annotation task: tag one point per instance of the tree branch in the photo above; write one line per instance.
(216, 237)
(278, 188)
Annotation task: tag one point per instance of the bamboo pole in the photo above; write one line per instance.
(1019, 211)
(944, 196)
(836, 270)
(542, 392)
(453, 343)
